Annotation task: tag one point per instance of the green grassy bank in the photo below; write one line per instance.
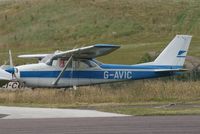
(140, 26)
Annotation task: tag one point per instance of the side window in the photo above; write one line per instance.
(81, 64)
(77, 64)
(61, 62)
(54, 62)
(84, 64)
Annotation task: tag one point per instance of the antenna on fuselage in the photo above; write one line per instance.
(11, 68)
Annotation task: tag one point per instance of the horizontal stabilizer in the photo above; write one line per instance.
(171, 70)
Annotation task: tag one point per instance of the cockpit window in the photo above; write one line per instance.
(47, 59)
(75, 63)
(61, 62)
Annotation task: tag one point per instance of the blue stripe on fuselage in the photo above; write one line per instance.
(81, 74)
(121, 72)
(67, 74)
(121, 75)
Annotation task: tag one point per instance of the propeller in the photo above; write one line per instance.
(10, 58)
(7, 71)
(5, 66)
(10, 68)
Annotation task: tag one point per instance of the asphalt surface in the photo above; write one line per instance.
(103, 125)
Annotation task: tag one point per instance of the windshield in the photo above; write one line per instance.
(47, 59)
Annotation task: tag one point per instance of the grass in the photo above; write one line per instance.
(133, 92)
(40, 26)
(152, 111)
(153, 97)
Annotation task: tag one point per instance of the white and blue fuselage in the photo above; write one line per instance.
(43, 75)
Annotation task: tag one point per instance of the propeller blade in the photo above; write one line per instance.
(10, 58)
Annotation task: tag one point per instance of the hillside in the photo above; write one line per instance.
(140, 26)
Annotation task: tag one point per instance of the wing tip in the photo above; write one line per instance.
(107, 45)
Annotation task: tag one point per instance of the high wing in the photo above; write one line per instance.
(88, 52)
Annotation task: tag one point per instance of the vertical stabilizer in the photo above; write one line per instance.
(176, 51)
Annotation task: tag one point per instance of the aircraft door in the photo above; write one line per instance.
(82, 71)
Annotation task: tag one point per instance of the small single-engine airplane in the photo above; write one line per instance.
(78, 67)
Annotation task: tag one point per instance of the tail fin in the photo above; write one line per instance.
(175, 52)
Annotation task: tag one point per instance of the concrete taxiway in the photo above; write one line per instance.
(30, 113)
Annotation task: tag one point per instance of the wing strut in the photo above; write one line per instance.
(61, 73)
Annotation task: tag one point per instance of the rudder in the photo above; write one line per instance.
(175, 53)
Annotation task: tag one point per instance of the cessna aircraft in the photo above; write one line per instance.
(79, 67)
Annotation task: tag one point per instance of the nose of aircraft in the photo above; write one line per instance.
(10, 70)
(5, 75)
